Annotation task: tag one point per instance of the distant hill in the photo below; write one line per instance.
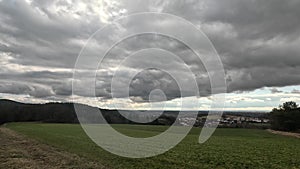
(11, 111)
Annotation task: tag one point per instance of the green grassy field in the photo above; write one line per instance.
(227, 148)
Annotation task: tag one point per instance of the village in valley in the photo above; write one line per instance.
(252, 120)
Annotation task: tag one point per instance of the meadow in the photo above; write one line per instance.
(227, 148)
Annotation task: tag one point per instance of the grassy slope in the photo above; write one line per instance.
(227, 148)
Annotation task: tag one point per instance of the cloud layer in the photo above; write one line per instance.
(258, 42)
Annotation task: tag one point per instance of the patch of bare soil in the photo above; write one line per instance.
(297, 135)
(17, 151)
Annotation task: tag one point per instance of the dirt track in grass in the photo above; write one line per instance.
(297, 135)
(17, 151)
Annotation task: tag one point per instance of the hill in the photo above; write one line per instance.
(11, 111)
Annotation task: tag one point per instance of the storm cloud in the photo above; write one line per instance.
(258, 43)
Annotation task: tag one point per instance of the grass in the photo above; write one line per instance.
(227, 148)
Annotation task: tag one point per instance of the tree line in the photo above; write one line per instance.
(11, 111)
(286, 117)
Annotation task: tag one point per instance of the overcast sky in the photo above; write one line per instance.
(257, 41)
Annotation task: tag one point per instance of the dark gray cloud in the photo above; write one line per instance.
(35, 90)
(147, 81)
(295, 91)
(275, 90)
(40, 41)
